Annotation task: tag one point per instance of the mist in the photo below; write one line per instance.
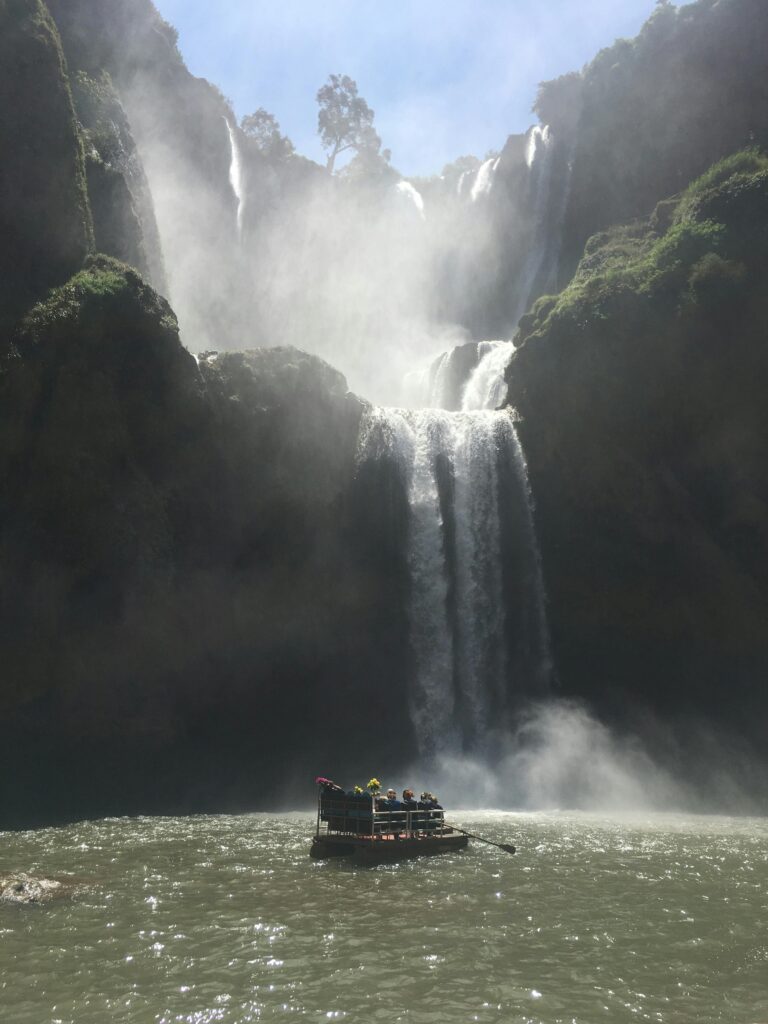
(348, 271)
(561, 756)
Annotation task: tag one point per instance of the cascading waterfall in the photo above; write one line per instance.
(483, 182)
(236, 176)
(539, 157)
(467, 487)
(405, 190)
(486, 387)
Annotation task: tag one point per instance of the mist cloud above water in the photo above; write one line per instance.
(563, 758)
(350, 271)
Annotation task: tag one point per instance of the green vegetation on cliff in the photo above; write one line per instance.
(641, 388)
(649, 114)
(693, 250)
(121, 204)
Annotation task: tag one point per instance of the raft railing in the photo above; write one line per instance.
(347, 816)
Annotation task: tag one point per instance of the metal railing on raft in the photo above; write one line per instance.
(351, 817)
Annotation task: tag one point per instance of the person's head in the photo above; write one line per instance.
(391, 794)
(426, 796)
(407, 794)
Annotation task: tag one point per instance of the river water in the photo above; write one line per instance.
(207, 919)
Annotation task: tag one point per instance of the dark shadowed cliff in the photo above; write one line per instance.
(650, 114)
(641, 390)
(203, 593)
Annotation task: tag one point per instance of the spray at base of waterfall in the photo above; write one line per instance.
(562, 757)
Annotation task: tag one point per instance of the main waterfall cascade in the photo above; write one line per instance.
(476, 610)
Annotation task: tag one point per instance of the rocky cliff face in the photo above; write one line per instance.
(650, 114)
(45, 219)
(172, 133)
(641, 390)
(202, 593)
(121, 203)
(184, 564)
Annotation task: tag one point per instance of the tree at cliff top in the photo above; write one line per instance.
(344, 121)
(264, 129)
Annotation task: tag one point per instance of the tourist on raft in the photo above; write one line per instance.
(428, 803)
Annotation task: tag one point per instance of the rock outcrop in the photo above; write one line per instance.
(23, 890)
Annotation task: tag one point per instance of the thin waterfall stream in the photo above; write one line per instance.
(236, 176)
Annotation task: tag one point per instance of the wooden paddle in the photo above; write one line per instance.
(506, 847)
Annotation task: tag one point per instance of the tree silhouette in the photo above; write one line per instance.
(264, 129)
(344, 121)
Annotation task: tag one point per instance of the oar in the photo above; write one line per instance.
(506, 847)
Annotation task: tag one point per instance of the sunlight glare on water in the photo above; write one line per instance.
(206, 919)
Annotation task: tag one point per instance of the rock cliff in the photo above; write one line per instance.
(641, 394)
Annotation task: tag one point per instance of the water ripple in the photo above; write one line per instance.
(207, 919)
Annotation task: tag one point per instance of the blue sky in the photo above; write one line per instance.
(445, 77)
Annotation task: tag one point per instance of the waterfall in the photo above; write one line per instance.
(547, 212)
(446, 382)
(538, 157)
(486, 387)
(483, 182)
(236, 175)
(476, 606)
(412, 196)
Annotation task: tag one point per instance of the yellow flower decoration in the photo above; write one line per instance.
(374, 785)
(358, 789)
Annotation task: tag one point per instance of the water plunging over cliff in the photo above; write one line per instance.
(236, 176)
(476, 605)
(483, 182)
(486, 387)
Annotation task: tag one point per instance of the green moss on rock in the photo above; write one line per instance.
(121, 204)
(722, 214)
